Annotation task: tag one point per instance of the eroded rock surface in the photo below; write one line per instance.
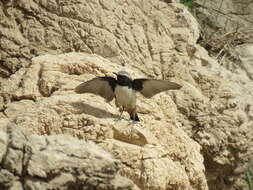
(227, 30)
(155, 153)
(147, 38)
(230, 15)
(56, 162)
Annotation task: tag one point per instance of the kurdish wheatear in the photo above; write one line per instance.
(124, 89)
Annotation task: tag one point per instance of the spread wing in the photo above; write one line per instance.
(150, 87)
(102, 86)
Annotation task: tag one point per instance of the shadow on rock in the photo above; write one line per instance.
(91, 110)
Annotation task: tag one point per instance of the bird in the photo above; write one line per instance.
(123, 88)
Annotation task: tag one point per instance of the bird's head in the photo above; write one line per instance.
(123, 77)
(122, 74)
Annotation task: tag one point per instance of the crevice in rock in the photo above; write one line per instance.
(40, 82)
(145, 29)
(8, 97)
(128, 165)
(5, 72)
(102, 5)
(217, 175)
(162, 65)
(127, 140)
(138, 46)
(8, 146)
(27, 153)
(3, 111)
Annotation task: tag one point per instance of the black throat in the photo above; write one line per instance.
(124, 81)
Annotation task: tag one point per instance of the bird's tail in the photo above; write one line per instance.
(134, 116)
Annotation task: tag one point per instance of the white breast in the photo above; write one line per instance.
(125, 96)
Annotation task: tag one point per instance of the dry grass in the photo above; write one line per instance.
(220, 41)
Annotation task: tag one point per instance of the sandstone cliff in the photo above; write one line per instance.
(210, 116)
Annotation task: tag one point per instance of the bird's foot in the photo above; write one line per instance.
(119, 118)
(132, 122)
(121, 112)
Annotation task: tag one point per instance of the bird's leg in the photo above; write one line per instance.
(121, 109)
(121, 112)
(133, 116)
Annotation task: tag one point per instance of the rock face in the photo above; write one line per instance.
(245, 54)
(227, 24)
(55, 162)
(211, 114)
(227, 28)
(155, 154)
(230, 15)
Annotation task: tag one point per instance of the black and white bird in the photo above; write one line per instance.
(124, 89)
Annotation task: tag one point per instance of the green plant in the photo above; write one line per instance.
(187, 3)
(248, 178)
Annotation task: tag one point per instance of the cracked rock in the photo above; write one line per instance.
(56, 162)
